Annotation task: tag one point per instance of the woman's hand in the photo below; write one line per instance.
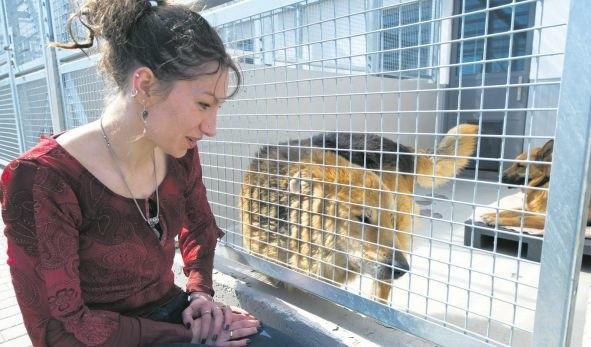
(213, 317)
(243, 325)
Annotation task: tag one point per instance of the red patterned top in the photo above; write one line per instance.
(84, 264)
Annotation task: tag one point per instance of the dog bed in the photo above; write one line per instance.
(508, 238)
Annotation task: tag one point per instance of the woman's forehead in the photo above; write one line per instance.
(215, 85)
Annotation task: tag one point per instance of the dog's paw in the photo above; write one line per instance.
(489, 218)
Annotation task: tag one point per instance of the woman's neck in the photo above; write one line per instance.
(124, 130)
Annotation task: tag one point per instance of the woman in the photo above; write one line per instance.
(91, 214)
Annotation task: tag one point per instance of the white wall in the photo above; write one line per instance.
(549, 42)
(546, 70)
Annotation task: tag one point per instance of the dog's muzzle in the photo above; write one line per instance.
(400, 265)
(396, 267)
(513, 179)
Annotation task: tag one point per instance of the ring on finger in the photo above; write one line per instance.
(206, 312)
(231, 334)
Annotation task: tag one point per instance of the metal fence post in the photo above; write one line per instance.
(373, 40)
(11, 75)
(56, 107)
(569, 189)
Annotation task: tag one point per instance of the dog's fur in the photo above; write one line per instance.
(315, 211)
(533, 177)
(395, 163)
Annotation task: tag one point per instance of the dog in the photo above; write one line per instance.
(533, 177)
(311, 209)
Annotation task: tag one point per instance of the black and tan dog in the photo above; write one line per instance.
(313, 210)
(532, 171)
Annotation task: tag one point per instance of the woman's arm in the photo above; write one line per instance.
(42, 216)
(197, 242)
(198, 238)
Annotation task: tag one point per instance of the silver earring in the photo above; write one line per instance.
(133, 93)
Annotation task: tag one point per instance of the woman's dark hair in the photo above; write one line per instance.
(172, 40)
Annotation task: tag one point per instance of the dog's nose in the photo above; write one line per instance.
(512, 179)
(400, 265)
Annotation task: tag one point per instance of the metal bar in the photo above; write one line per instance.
(243, 9)
(11, 76)
(568, 200)
(56, 107)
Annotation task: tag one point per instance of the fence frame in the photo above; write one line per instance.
(566, 219)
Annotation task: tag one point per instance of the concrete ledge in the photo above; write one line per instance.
(305, 317)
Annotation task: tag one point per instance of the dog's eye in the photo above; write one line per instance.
(364, 219)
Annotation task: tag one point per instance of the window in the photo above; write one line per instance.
(407, 42)
(502, 20)
(239, 38)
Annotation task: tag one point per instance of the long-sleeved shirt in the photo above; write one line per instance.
(85, 265)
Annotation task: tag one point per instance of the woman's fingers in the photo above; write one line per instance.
(199, 312)
(240, 330)
(239, 310)
(241, 333)
(218, 321)
(228, 316)
(245, 324)
(218, 324)
(196, 330)
(206, 323)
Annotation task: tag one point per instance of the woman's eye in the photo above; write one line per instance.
(204, 106)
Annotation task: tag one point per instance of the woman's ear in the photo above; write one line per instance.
(142, 81)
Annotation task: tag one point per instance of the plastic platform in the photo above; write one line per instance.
(480, 235)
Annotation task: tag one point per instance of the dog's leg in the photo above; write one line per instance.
(383, 290)
(513, 219)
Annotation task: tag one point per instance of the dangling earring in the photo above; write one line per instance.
(133, 93)
(144, 114)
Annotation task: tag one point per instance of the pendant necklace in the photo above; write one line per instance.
(150, 221)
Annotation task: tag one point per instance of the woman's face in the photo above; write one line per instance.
(187, 113)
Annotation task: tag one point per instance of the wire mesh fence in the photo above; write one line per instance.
(371, 154)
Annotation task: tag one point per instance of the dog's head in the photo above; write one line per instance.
(355, 213)
(530, 168)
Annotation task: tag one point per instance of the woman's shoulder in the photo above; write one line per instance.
(46, 156)
(34, 156)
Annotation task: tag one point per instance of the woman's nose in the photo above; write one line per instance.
(208, 127)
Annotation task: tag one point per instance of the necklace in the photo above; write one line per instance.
(150, 221)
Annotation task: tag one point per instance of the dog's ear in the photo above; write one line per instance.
(546, 152)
